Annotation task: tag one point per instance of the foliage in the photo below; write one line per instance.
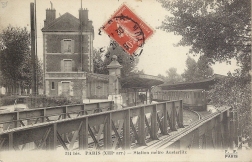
(128, 62)
(44, 101)
(237, 96)
(171, 76)
(16, 45)
(2, 80)
(7, 100)
(204, 70)
(197, 70)
(26, 72)
(191, 68)
(217, 29)
(98, 61)
(15, 58)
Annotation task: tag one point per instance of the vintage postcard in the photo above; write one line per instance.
(117, 80)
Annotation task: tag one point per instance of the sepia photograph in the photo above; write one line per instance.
(125, 80)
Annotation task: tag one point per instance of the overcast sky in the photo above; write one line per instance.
(159, 53)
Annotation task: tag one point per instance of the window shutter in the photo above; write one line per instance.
(47, 88)
(72, 45)
(59, 88)
(73, 66)
(71, 88)
(62, 65)
(62, 46)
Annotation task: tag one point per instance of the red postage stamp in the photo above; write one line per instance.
(127, 29)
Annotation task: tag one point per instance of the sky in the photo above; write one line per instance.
(159, 53)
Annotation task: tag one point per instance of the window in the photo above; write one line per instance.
(67, 46)
(68, 65)
(65, 88)
(53, 86)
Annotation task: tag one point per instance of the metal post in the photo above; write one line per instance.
(83, 109)
(16, 118)
(173, 117)
(83, 135)
(141, 127)
(181, 124)
(135, 97)
(196, 137)
(107, 132)
(147, 96)
(51, 141)
(154, 123)
(226, 121)
(165, 124)
(232, 130)
(126, 130)
(219, 125)
(10, 141)
(44, 115)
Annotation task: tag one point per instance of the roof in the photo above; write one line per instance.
(66, 22)
(140, 81)
(199, 84)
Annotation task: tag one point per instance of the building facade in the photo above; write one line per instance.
(68, 56)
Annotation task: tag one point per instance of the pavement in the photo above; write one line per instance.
(94, 100)
(10, 108)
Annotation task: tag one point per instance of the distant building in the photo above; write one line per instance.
(205, 84)
(68, 57)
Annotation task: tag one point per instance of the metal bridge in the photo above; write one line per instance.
(154, 126)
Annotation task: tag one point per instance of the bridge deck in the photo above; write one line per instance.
(167, 140)
(188, 116)
(154, 126)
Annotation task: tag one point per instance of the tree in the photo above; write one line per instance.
(26, 73)
(2, 80)
(127, 61)
(191, 68)
(161, 76)
(15, 59)
(98, 60)
(238, 96)
(16, 42)
(197, 70)
(219, 30)
(171, 76)
(204, 69)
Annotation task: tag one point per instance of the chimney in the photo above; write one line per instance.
(83, 16)
(50, 15)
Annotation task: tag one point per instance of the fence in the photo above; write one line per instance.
(33, 116)
(110, 129)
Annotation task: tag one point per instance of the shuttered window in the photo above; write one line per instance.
(65, 88)
(68, 65)
(67, 46)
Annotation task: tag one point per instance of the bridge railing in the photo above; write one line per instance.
(39, 115)
(122, 128)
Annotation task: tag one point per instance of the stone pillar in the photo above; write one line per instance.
(114, 69)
